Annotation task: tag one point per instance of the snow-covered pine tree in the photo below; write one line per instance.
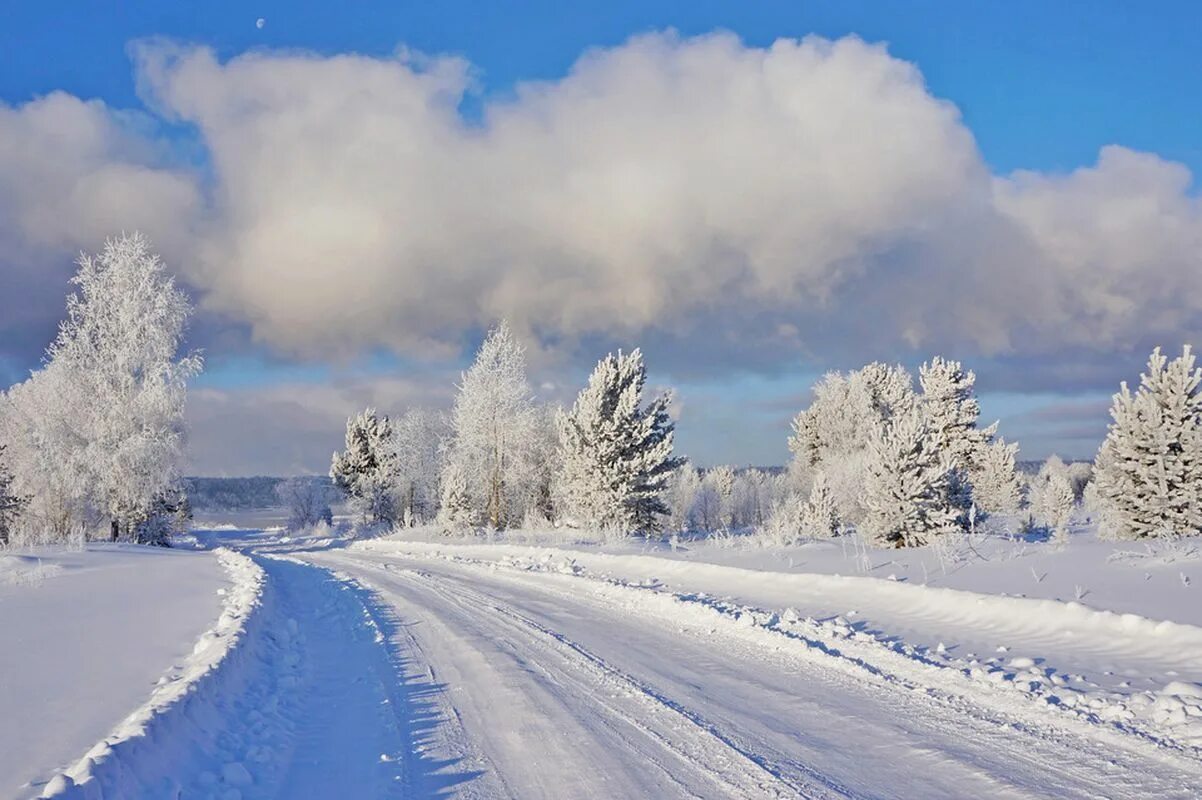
(1148, 470)
(615, 455)
(455, 511)
(819, 517)
(366, 470)
(905, 489)
(11, 503)
(952, 412)
(1052, 503)
(995, 483)
(496, 431)
(116, 354)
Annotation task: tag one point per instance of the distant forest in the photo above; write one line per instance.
(238, 494)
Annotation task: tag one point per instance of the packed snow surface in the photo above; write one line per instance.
(84, 637)
(402, 668)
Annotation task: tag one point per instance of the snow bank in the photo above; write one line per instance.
(173, 718)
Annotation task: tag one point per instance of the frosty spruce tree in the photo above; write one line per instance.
(616, 455)
(365, 472)
(1148, 471)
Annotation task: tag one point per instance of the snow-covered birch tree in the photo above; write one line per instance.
(420, 436)
(615, 454)
(1148, 472)
(118, 385)
(495, 431)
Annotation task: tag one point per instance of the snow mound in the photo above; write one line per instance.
(114, 768)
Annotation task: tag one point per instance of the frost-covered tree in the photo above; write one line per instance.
(366, 470)
(307, 500)
(754, 495)
(905, 489)
(952, 413)
(48, 457)
(11, 503)
(420, 437)
(615, 454)
(681, 497)
(112, 395)
(833, 435)
(455, 511)
(1052, 502)
(996, 486)
(496, 431)
(1149, 468)
(722, 479)
(819, 518)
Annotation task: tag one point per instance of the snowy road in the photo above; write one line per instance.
(368, 673)
(540, 686)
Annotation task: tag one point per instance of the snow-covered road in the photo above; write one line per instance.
(550, 688)
(387, 671)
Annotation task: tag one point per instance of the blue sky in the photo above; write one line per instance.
(1037, 86)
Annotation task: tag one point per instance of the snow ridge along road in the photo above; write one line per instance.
(373, 672)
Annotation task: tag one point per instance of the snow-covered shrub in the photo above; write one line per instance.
(786, 524)
(615, 456)
(1148, 471)
(905, 490)
(366, 470)
(307, 501)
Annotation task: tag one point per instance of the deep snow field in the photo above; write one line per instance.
(250, 663)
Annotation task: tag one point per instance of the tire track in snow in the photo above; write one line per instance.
(689, 757)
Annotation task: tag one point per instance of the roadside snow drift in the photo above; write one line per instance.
(84, 636)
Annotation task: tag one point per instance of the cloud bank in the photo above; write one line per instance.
(743, 207)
